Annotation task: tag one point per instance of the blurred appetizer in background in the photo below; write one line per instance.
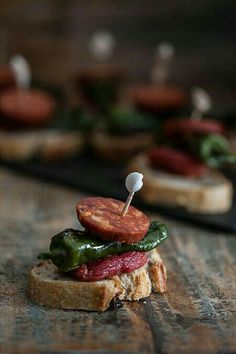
(123, 133)
(100, 83)
(184, 171)
(22, 106)
(113, 259)
(205, 138)
(65, 137)
(31, 124)
(161, 96)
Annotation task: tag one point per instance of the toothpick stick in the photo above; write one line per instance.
(163, 59)
(201, 102)
(22, 71)
(127, 204)
(133, 183)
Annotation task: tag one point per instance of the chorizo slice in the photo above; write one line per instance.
(111, 266)
(27, 108)
(192, 126)
(159, 98)
(176, 161)
(102, 217)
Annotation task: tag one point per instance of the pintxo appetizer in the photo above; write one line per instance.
(161, 96)
(23, 106)
(184, 172)
(100, 83)
(124, 133)
(113, 259)
(204, 138)
(27, 128)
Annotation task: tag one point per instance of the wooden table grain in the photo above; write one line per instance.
(196, 315)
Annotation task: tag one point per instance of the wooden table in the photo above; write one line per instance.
(197, 315)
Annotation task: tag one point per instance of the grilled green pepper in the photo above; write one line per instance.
(70, 248)
(76, 118)
(212, 149)
(126, 120)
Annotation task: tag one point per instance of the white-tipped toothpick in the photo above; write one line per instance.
(201, 102)
(133, 182)
(21, 70)
(163, 59)
(102, 45)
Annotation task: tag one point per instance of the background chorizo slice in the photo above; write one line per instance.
(192, 126)
(159, 98)
(27, 108)
(102, 217)
(176, 161)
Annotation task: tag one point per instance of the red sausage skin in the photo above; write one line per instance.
(192, 127)
(102, 217)
(111, 266)
(26, 108)
(175, 161)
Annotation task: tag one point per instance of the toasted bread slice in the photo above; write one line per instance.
(209, 194)
(49, 287)
(120, 148)
(45, 144)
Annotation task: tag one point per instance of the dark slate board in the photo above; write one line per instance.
(95, 177)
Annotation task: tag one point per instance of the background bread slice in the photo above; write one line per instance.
(44, 144)
(49, 287)
(209, 194)
(120, 148)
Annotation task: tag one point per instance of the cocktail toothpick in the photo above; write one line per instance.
(133, 183)
(163, 58)
(21, 70)
(201, 102)
(101, 45)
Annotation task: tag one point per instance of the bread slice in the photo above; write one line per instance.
(49, 287)
(211, 193)
(120, 148)
(44, 144)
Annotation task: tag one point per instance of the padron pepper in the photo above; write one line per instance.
(70, 248)
(212, 149)
(126, 120)
(72, 119)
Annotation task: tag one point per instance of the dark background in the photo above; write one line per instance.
(53, 36)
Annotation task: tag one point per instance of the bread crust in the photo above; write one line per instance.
(50, 288)
(47, 145)
(120, 148)
(210, 194)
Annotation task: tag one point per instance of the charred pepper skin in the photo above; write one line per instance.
(71, 248)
